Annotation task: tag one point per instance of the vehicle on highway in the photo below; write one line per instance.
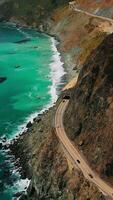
(66, 97)
(90, 176)
(78, 161)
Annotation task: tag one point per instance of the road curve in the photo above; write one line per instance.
(72, 6)
(75, 155)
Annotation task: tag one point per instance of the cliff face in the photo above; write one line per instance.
(30, 12)
(52, 177)
(89, 117)
(79, 35)
(90, 113)
(35, 10)
(98, 7)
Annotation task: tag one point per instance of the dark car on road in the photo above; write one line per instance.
(90, 176)
(66, 97)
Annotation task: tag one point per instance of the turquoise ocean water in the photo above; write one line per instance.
(31, 65)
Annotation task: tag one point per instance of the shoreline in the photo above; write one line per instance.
(15, 144)
(37, 150)
(22, 128)
(33, 119)
(44, 30)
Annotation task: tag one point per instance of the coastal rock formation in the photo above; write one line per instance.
(43, 160)
(30, 12)
(29, 124)
(88, 119)
(91, 106)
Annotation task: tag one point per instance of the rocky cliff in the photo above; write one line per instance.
(90, 115)
(32, 13)
(86, 47)
(98, 7)
(43, 160)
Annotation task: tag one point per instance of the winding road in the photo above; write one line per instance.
(70, 150)
(72, 6)
(74, 154)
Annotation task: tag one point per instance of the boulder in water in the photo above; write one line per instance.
(17, 66)
(4, 139)
(23, 41)
(29, 124)
(2, 79)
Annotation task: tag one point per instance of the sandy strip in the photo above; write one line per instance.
(71, 84)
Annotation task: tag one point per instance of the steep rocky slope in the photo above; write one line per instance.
(39, 151)
(98, 7)
(88, 121)
(32, 12)
(79, 35)
(90, 113)
(53, 178)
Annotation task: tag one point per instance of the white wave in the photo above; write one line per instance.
(22, 184)
(26, 35)
(57, 70)
(22, 128)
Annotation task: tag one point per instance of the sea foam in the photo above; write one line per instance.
(57, 71)
(56, 74)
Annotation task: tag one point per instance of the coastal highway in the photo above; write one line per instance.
(72, 6)
(76, 156)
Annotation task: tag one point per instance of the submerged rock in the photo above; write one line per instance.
(2, 79)
(17, 66)
(35, 47)
(23, 41)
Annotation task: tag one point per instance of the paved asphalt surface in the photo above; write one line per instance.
(75, 155)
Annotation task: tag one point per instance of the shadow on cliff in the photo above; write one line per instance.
(90, 113)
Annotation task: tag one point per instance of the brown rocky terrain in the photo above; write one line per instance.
(99, 7)
(79, 35)
(89, 118)
(42, 158)
(90, 114)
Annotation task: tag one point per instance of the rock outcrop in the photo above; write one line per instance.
(43, 160)
(30, 12)
(89, 116)
(91, 109)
